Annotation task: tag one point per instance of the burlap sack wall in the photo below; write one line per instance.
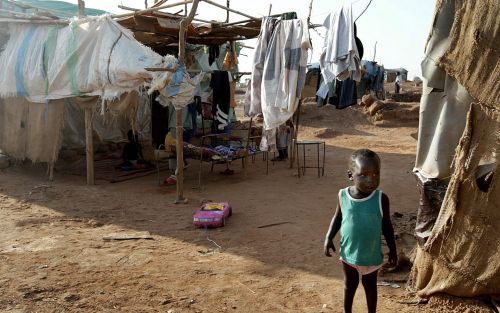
(461, 255)
(473, 57)
(31, 130)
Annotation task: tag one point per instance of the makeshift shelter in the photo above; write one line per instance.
(391, 73)
(49, 70)
(459, 139)
(159, 30)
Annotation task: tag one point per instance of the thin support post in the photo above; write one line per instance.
(89, 143)
(270, 8)
(50, 171)
(81, 8)
(227, 12)
(310, 11)
(178, 113)
(295, 135)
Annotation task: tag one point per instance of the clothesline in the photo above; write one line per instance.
(162, 69)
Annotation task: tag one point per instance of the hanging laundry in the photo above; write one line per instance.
(231, 58)
(281, 53)
(267, 29)
(220, 83)
(348, 94)
(213, 54)
(340, 57)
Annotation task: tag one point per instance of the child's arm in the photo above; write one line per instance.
(333, 230)
(388, 231)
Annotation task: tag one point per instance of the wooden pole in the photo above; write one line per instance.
(81, 8)
(178, 113)
(173, 15)
(246, 21)
(89, 143)
(295, 135)
(152, 9)
(270, 8)
(310, 10)
(51, 171)
(89, 140)
(227, 16)
(229, 9)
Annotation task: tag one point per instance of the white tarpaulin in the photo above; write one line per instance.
(91, 56)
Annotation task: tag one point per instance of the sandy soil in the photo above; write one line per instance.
(53, 257)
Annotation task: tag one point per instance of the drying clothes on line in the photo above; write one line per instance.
(213, 54)
(231, 58)
(221, 98)
(267, 29)
(340, 57)
(348, 93)
(326, 91)
(341, 94)
(177, 87)
(277, 89)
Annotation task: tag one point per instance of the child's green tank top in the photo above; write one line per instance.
(361, 228)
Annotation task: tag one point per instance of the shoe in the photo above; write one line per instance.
(170, 181)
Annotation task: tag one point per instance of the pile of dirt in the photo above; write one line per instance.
(406, 97)
(454, 304)
(325, 133)
(390, 113)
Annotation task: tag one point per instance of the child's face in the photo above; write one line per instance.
(366, 175)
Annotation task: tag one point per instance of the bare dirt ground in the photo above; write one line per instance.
(53, 257)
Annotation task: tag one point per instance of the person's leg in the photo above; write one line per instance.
(369, 282)
(351, 281)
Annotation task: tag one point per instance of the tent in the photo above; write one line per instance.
(459, 139)
(51, 73)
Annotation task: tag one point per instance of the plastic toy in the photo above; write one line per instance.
(212, 214)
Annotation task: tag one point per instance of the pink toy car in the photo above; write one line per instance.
(212, 214)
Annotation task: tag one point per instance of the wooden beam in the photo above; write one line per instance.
(178, 113)
(246, 21)
(81, 8)
(89, 143)
(152, 9)
(230, 10)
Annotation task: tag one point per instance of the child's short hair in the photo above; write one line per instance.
(363, 153)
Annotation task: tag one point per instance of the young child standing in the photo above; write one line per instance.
(362, 215)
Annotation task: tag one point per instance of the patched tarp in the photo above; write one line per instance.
(444, 103)
(94, 56)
